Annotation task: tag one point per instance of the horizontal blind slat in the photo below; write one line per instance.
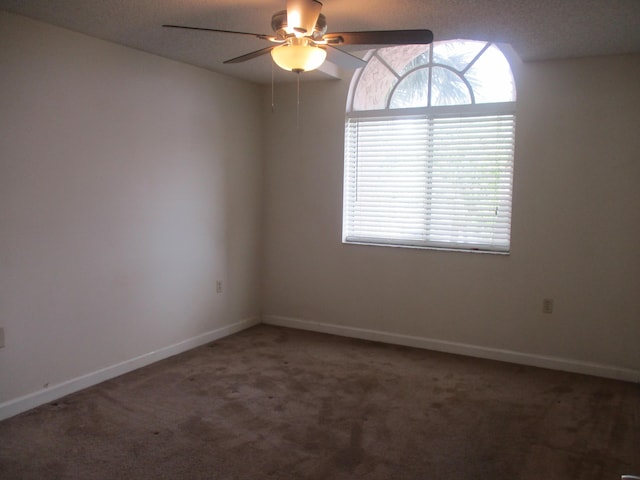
(426, 180)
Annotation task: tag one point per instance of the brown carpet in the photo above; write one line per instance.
(275, 403)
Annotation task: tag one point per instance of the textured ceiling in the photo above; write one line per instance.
(536, 29)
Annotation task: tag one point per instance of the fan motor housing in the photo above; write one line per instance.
(279, 26)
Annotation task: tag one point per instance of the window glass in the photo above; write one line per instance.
(405, 57)
(448, 88)
(374, 86)
(462, 72)
(457, 53)
(491, 77)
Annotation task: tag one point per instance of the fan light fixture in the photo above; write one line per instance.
(298, 55)
(301, 38)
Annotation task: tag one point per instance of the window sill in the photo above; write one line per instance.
(426, 247)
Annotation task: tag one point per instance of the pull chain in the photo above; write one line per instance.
(298, 102)
(272, 87)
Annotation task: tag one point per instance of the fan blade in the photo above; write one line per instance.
(258, 35)
(249, 56)
(344, 59)
(302, 15)
(385, 37)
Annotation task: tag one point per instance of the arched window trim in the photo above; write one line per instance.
(430, 67)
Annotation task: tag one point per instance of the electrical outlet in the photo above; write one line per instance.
(218, 286)
(547, 305)
(1, 337)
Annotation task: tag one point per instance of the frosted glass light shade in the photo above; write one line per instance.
(298, 58)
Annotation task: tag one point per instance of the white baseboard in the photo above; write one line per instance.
(40, 397)
(554, 363)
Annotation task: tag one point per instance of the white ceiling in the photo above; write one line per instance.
(536, 29)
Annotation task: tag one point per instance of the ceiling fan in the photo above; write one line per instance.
(301, 38)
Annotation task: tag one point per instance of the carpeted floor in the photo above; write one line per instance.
(275, 403)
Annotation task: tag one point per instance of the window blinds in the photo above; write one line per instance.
(429, 181)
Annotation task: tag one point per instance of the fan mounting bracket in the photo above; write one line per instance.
(282, 30)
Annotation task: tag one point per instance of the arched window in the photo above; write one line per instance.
(429, 148)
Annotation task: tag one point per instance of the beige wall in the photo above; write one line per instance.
(576, 225)
(129, 184)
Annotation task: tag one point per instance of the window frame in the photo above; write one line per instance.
(439, 111)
